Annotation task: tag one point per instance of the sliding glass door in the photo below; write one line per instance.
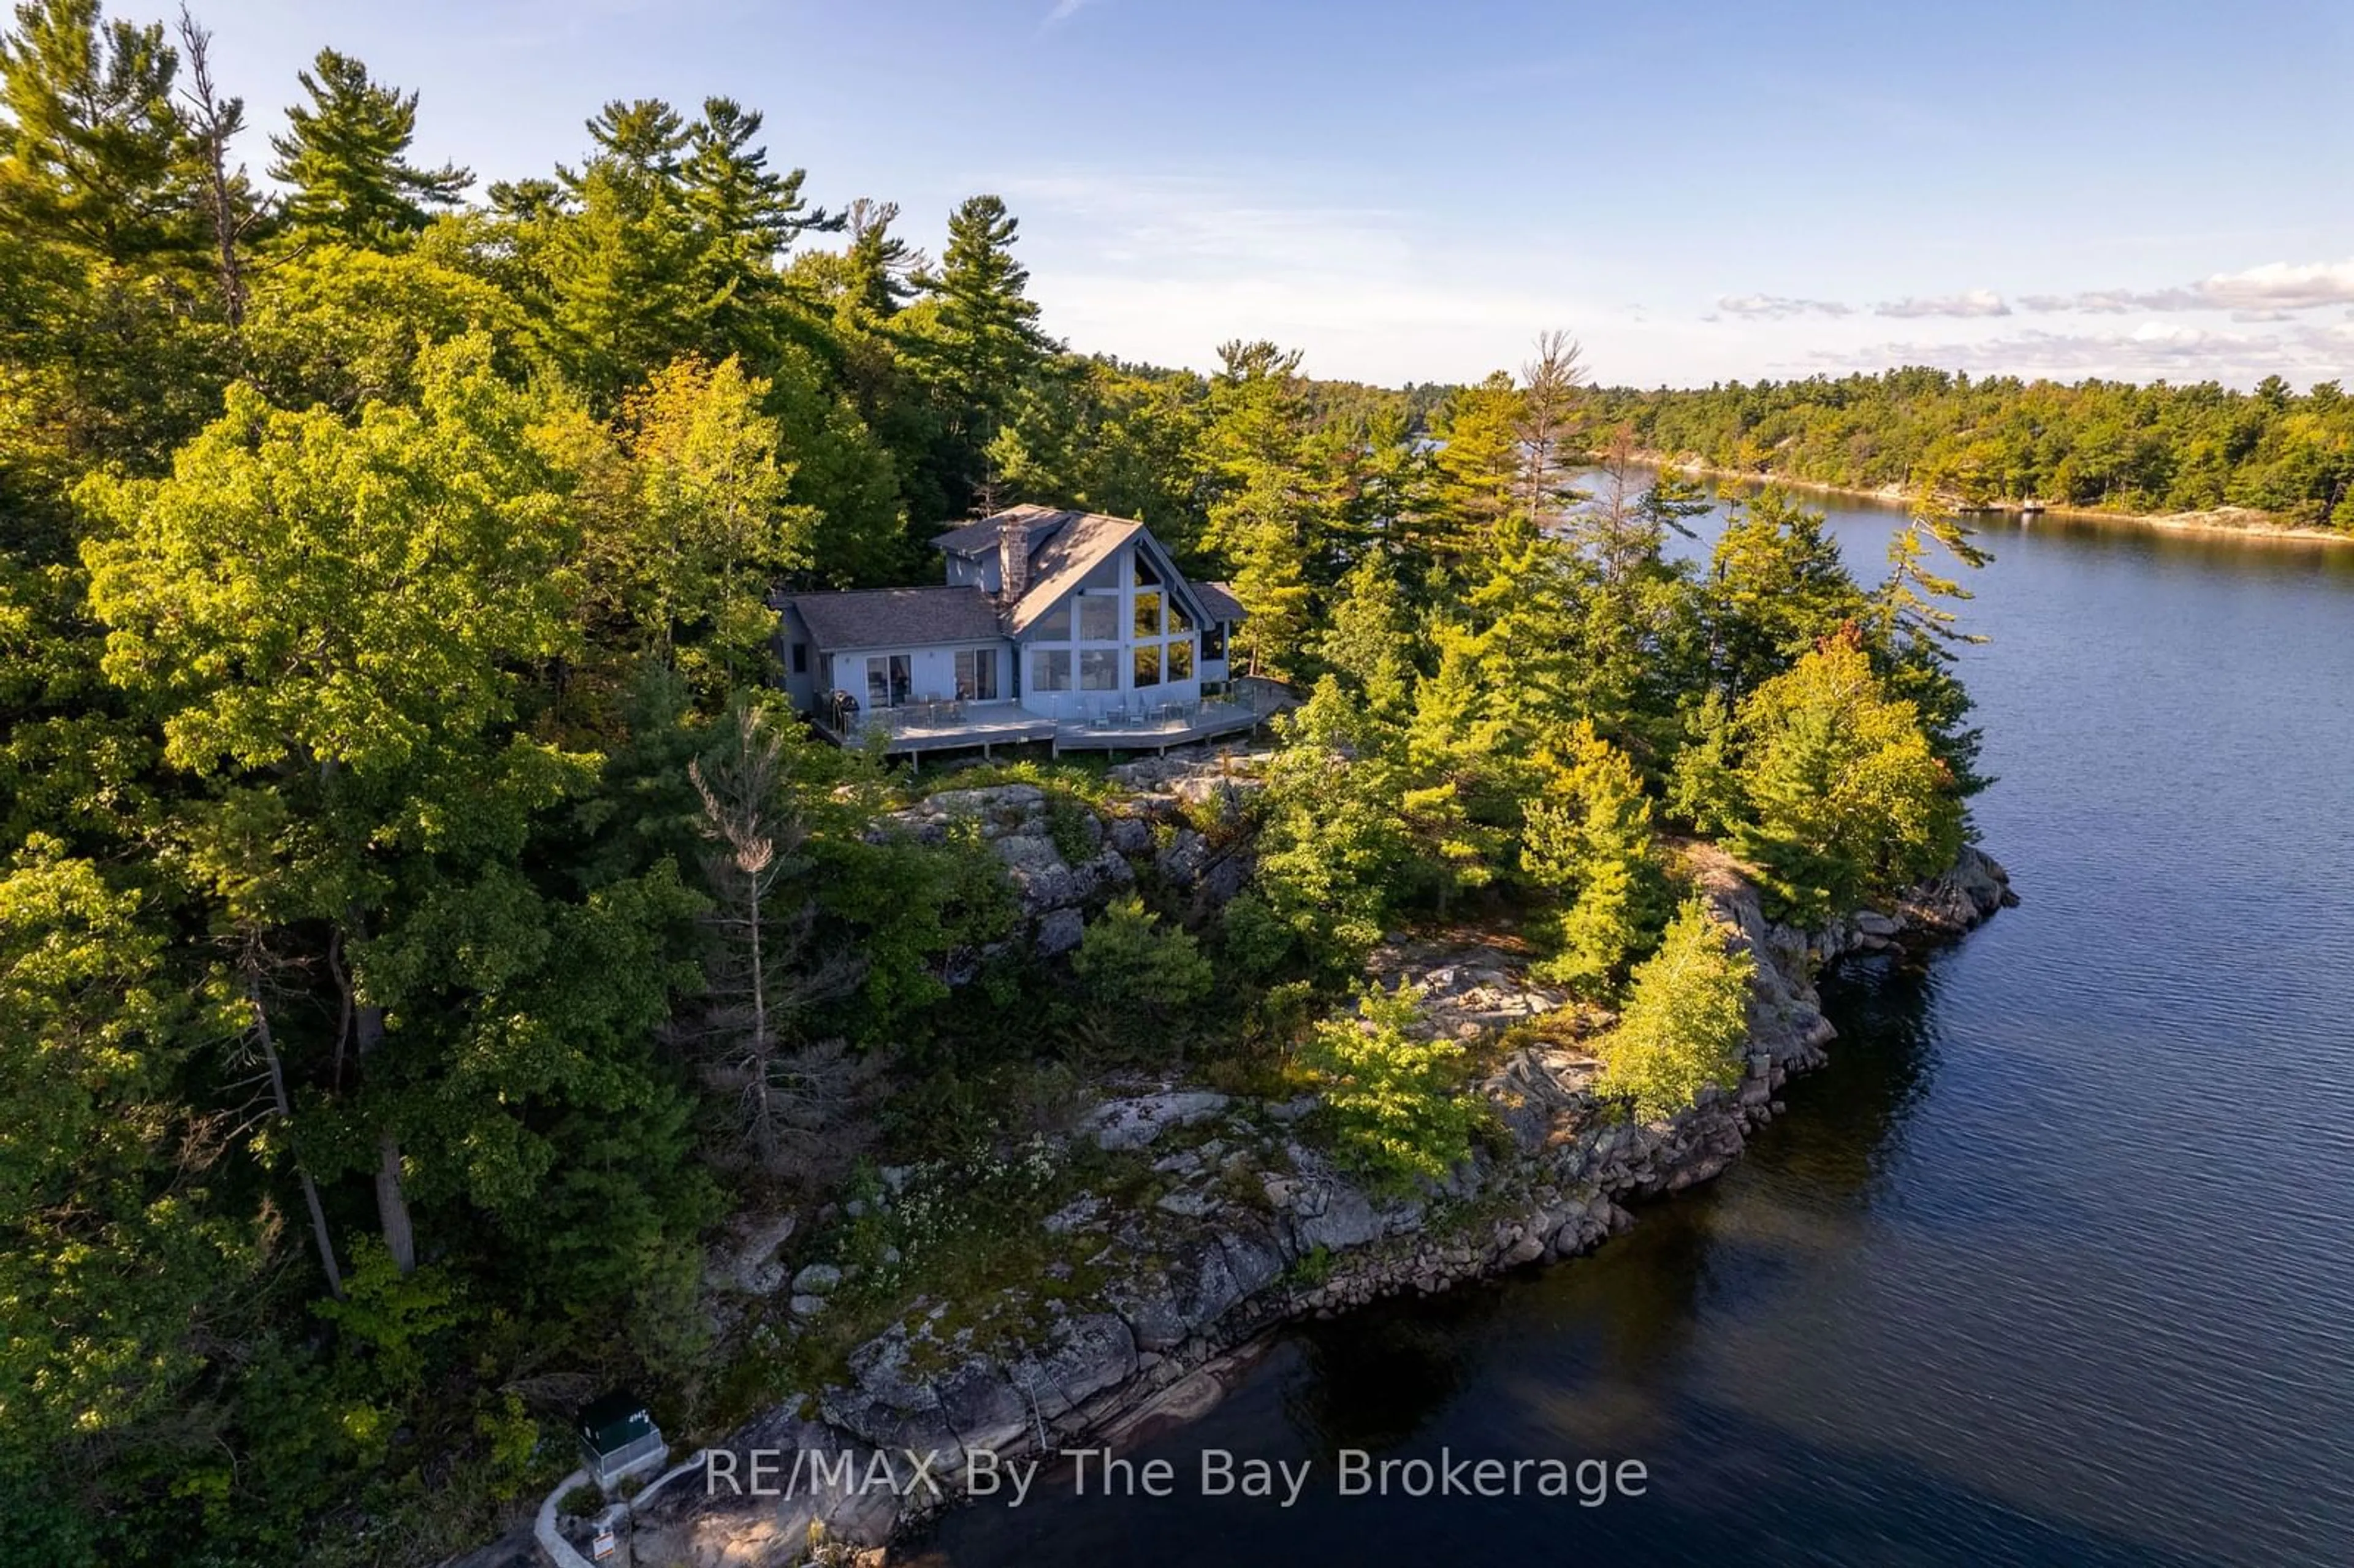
(888, 676)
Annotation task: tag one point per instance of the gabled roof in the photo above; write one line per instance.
(1219, 601)
(894, 617)
(1077, 547)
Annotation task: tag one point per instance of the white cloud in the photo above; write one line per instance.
(2175, 351)
(1066, 9)
(1971, 304)
(2280, 287)
(1777, 307)
(2277, 286)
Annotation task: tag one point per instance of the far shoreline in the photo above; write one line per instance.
(2263, 526)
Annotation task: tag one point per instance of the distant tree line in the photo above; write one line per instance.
(2113, 446)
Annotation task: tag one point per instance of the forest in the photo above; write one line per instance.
(422, 926)
(2107, 446)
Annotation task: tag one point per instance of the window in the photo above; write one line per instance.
(1100, 670)
(1055, 626)
(1180, 658)
(1050, 669)
(1178, 619)
(888, 676)
(1100, 618)
(1214, 640)
(1145, 575)
(1147, 614)
(976, 675)
(801, 658)
(1148, 665)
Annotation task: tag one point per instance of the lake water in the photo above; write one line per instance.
(2053, 1264)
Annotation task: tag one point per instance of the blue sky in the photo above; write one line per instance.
(1411, 192)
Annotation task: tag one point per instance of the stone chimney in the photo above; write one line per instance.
(1012, 559)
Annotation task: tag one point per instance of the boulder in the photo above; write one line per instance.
(1183, 863)
(982, 1406)
(1147, 1302)
(817, 1280)
(1132, 1123)
(1059, 931)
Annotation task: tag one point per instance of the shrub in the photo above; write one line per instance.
(1138, 970)
(1686, 1024)
(1396, 1100)
(1071, 826)
(1252, 937)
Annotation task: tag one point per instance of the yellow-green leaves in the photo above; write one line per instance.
(1847, 798)
(306, 591)
(1686, 1022)
(1394, 1091)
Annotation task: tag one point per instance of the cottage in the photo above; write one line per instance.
(1051, 625)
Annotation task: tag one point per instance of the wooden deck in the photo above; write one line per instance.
(983, 726)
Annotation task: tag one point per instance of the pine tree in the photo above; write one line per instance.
(1776, 587)
(91, 146)
(879, 266)
(1369, 643)
(1477, 474)
(623, 267)
(1916, 635)
(1549, 429)
(1268, 510)
(980, 343)
(745, 216)
(1451, 760)
(345, 155)
(1587, 839)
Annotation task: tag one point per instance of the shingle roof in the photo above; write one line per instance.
(902, 616)
(980, 538)
(1219, 599)
(1077, 548)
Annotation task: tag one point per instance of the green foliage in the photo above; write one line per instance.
(390, 1313)
(1333, 839)
(1847, 799)
(1395, 1098)
(372, 576)
(91, 156)
(1589, 840)
(345, 155)
(1686, 1024)
(1252, 939)
(1139, 974)
(341, 326)
(1703, 789)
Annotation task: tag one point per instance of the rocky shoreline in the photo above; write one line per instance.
(1250, 1227)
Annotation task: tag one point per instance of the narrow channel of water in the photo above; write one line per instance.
(2054, 1265)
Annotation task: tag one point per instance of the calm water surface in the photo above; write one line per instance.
(2054, 1263)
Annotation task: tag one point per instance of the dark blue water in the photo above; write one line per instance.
(2054, 1263)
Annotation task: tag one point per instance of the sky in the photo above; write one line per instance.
(1411, 192)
